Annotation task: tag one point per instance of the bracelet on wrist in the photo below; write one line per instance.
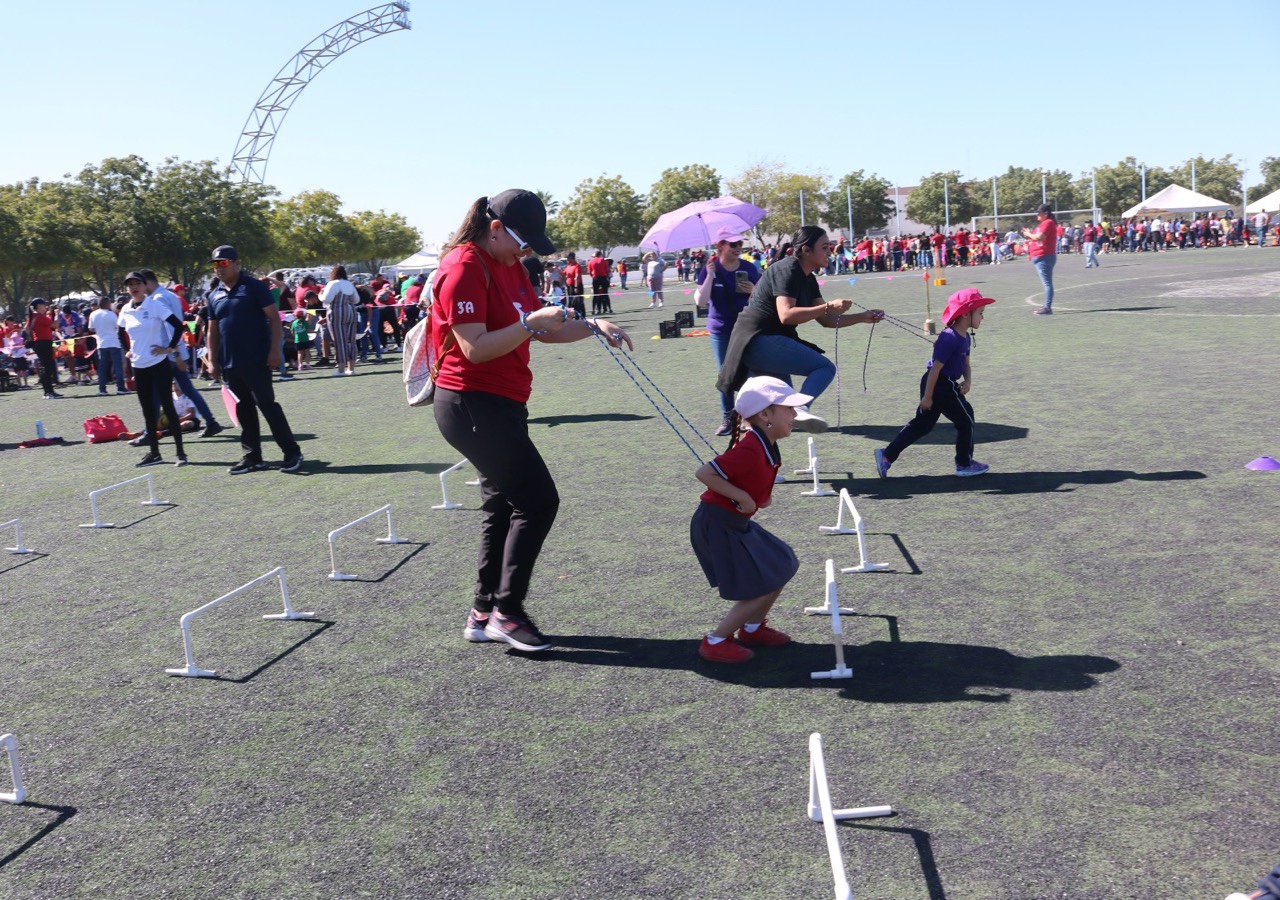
(524, 316)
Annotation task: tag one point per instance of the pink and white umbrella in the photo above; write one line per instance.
(702, 223)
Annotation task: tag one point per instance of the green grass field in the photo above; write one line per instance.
(1066, 686)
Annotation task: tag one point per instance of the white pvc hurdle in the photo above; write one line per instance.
(444, 487)
(813, 461)
(846, 502)
(821, 810)
(191, 670)
(17, 531)
(818, 489)
(19, 793)
(833, 609)
(151, 490)
(391, 538)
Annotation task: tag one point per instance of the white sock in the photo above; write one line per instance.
(750, 627)
(712, 639)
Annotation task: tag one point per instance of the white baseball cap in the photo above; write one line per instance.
(763, 391)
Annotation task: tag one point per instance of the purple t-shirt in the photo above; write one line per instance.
(726, 302)
(950, 350)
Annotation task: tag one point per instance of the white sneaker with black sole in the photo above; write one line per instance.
(807, 421)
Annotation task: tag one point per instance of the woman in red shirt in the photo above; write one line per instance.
(484, 313)
(1043, 250)
(40, 327)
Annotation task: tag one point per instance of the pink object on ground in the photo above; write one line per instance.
(1263, 464)
(229, 400)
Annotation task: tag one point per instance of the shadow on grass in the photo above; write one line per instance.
(553, 421)
(321, 467)
(924, 849)
(324, 626)
(1005, 482)
(25, 559)
(890, 671)
(394, 569)
(912, 568)
(984, 433)
(64, 813)
(1113, 309)
(160, 510)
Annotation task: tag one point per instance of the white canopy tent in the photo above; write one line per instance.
(1176, 199)
(424, 262)
(1269, 203)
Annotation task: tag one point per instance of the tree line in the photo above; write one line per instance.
(88, 230)
(606, 212)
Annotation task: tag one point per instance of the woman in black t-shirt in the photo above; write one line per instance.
(765, 340)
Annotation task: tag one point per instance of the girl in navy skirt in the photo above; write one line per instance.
(748, 564)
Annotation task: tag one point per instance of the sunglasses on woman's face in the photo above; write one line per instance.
(515, 237)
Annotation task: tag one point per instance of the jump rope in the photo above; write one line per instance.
(623, 359)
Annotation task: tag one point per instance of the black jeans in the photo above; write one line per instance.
(947, 401)
(518, 495)
(253, 389)
(155, 392)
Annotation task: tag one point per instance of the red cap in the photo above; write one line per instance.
(964, 301)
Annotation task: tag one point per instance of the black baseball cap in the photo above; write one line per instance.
(524, 212)
(226, 251)
(135, 276)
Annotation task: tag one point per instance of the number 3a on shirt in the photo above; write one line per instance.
(465, 307)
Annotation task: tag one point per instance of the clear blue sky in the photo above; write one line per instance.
(487, 95)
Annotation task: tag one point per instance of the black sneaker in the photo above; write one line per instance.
(151, 459)
(726, 427)
(212, 428)
(518, 631)
(248, 464)
(292, 464)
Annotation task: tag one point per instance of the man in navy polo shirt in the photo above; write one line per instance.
(245, 338)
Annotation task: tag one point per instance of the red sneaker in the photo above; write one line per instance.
(727, 651)
(764, 636)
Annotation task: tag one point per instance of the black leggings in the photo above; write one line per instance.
(48, 368)
(518, 495)
(155, 391)
(947, 401)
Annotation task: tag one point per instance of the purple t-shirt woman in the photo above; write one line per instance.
(725, 296)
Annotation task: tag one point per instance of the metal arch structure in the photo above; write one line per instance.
(254, 147)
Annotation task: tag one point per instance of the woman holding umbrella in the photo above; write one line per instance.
(724, 286)
(765, 340)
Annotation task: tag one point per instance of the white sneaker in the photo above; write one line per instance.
(807, 421)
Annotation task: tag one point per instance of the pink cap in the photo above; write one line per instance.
(964, 301)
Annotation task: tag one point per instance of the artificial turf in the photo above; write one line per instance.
(1066, 685)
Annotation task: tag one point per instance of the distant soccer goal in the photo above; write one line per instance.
(1006, 222)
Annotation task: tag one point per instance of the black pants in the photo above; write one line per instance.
(253, 389)
(388, 315)
(155, 392)
(600, 296)
(947, 401)
(574, 299)
(48, 368)
(518, 495)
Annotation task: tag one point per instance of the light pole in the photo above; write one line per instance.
(1144, 182)
(1094, 201)
(946, 204)
(1044, 191)
(995, 205)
